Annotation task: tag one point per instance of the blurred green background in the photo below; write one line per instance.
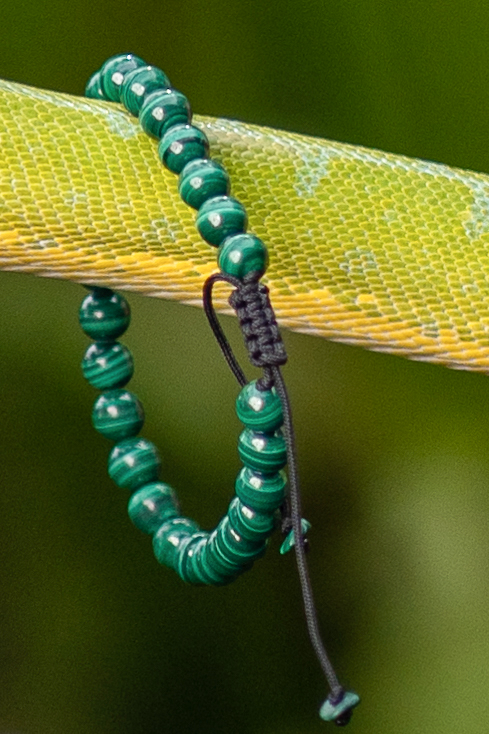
(94, 635)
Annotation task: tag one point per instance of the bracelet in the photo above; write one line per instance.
(267, 443)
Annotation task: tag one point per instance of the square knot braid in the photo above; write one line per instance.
(258, 324)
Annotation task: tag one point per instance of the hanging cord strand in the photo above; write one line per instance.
(266, 350)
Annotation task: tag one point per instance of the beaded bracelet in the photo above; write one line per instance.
(267, 443)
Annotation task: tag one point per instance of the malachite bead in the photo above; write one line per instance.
(152, 505)
(134, 462)
(289, 541)
(233, 547)
(182, 144)
(260, 410)
(219, 218)
(139, 84)
(263, 452)
(107, 365)
(339, 711)
(93, 89)
(248, 523)
(114, 71)
(104, 315)
(241, 254)
(117, 414)
(202, 179)
(167, 539)
(193, 570)
(162, 110)
(212, 574)
(260, 492)
(183, 562)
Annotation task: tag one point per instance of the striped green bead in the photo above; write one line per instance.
(184, 565)
(153, 505)
(139, 84)
(221, 217)
(107, 365)
(104, 315)
(202, 179)
(260, 410)
(241, 254)
(182, 144)
(168, 538)
(248, 523)
(113, 73)
(211, 573)
(235, 548)
(220, 562)
(134, 462)
(263, 452)
(117, 414)
(162, 110)
(93, 89)
(260, 492)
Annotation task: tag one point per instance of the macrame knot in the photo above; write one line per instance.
(257, 320)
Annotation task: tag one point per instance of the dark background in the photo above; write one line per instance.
(94, 635)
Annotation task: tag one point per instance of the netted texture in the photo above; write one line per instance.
(365, 247)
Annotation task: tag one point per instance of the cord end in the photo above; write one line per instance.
(339, 708)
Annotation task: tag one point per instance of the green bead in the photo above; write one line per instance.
(104, 315)
(260, 410)
(182, 144)
(113, 73)
(202, 179)
(117, 414)
(219, 218)
(183, 562)
(233, 547)
(134, 462)
(107, 365)
(193, 571)
(289, 541)
(248, 523)
(340, 711)
(219, 561)
(167, 539)
(93, 89)
(139, 84)
(162, 110)
(261, 492)
(241, 254)
(203, 569)
(263, 452)
(153, 505)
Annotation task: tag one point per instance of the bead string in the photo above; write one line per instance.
(263, 406)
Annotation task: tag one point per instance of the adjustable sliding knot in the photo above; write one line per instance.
(258, 324)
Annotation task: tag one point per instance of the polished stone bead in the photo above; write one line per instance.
(222, 564)
(117, 414)
(241, 254)
(202, 179)
(289, 541)
(183, 564)
(219, 218)
(107, 365)
(104, 315)
(182, 144)
(193, 568)
(234, 548)
(263, 452)
(260, 410)
(339, 711)
(248, 523)
(162, 110)
(260, 492)
(207, 571)
(93, 89)
(139, 84)
(168, 538)
(114, 71)
(152, 505)
(134, 462)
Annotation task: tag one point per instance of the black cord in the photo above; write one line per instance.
(256, 317)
